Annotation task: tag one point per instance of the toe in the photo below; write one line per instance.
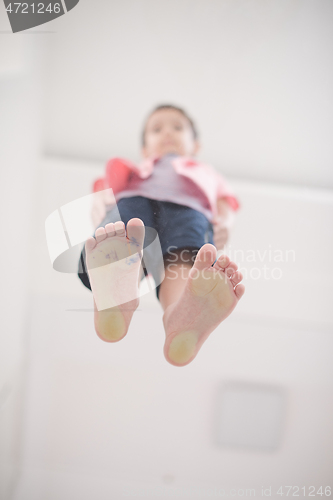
(239, 290)
(136, 231)
(120, 228)
(90, 244)
(231, 269)
(233, 265)
(110, 230)
(236, 278)
(205, 257)
(100, 234)
(222, 262)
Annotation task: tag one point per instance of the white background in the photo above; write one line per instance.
(83, 419)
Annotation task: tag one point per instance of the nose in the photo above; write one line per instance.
(168, 132)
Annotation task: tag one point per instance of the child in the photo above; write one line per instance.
(191, 207)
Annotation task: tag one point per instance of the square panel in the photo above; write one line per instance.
(250, 416)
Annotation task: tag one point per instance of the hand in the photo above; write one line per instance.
(221, 232)
(100, 201)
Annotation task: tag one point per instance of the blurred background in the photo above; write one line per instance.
(252, 415)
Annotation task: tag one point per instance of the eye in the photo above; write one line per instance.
(178, 126)
(156, 129)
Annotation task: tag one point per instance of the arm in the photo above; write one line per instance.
(117, 173)
(226, 204)
(101, 199)
(222, 223)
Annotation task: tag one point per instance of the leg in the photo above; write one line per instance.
(177, 269)
(114, 268)
(195, 299)
(111, 244)
(204, 296)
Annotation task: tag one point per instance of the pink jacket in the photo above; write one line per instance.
(213, 185)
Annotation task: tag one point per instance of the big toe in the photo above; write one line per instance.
(136, 231)
(205, 257)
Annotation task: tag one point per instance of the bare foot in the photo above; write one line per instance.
(210, 295)
(114, 268)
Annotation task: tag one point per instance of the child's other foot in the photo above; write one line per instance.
(210, 295)
(114, 268)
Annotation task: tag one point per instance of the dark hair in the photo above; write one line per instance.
(176, 108)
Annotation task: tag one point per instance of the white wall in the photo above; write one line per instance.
(256, 76)
(19, 138)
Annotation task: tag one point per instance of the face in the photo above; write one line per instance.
(169, 131)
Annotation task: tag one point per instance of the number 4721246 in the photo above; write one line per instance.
(310, 491)
(38, 8)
